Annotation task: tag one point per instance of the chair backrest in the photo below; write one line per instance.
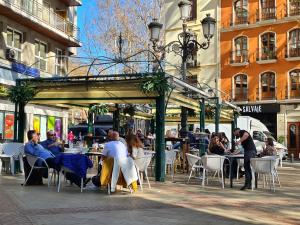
(31, 160)
(13, 148)
(170, 156)
(1, 148)
(194, 151)
(143, 163)
(213, 162)
(192, 159)
(149, 152)
(264, 165)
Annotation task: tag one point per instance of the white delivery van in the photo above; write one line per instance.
(257, 129)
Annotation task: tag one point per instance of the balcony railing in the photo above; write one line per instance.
(266, 54)
(293, 52)
(265, 95)
(268, 13)
(239, 56)
(34, 9)
(294, 91)
(240, 94)
(239, 20)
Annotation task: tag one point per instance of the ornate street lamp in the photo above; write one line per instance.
(185, 46)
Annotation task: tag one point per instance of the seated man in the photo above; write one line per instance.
(33, 148)
(51, 144)
(115, 148)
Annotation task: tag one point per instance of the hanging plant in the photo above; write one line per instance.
(23, 93)
(191, 113)
(209, 112)
(130, 110)
(99, 109)
(157, 83)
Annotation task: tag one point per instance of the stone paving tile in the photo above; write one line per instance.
(166, 203)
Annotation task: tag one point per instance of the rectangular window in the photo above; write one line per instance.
(9, 126)
(14, 41)
(41, 55)
(59, 65)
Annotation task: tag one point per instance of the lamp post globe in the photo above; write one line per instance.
(155, 28)
(185, 8)
(208, 26)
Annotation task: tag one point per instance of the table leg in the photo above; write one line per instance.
(230, 175)
(256, 176)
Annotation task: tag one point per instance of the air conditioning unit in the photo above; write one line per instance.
(10, 54)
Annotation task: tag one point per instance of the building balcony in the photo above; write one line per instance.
(240, 95)
(266, 55)
(292, 54)
(39, 18)
(244, 20)
(72, 2)
(266, 14)
(239, 58)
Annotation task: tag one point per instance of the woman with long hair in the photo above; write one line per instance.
(269, 150)
(216, 147)
(135, 147)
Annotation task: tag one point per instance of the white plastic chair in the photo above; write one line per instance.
(12, 152)
(170, 160)
(281, 155)
(141, 165)
(240, 163)
(66, 170)
(195, 164)
(264, 166)
(32, 162)
(213, 163)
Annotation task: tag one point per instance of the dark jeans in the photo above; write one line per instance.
(248, 172)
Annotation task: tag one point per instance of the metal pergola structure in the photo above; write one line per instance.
(125, 88)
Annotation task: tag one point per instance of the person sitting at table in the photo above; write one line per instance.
(135, 147)
(116, 151)
(33, 148)
(216, 147)
(269, 150)
(51, 144)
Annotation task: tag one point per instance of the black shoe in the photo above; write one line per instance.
(245, 187)
(86, 181)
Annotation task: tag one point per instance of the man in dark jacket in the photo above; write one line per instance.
(249, 152)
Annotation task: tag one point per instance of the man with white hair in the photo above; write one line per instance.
(115, 148)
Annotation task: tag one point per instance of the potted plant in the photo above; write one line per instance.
(130, 110)
(157, 83)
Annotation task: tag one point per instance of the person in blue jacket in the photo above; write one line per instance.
(51, 144)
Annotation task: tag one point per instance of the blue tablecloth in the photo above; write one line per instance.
(77, 163)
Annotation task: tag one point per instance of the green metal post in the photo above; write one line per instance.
(90, 121)
(160, 139)
(217, 115)
(21, 122)
(116, 118)
(233, 126)
(202, 127)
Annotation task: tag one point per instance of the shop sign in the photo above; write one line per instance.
(262, 108)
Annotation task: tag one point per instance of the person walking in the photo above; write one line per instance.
(249, 152)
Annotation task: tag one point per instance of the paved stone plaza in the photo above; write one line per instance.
(166, 203)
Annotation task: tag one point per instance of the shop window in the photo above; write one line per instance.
(37, 124)
(268, 44)
(240, 12)
(268, 86)
(292, 136)
(9, 126)
(240, 51)
(294, 43)
(43, 128)
(55, 124)
(240, 87)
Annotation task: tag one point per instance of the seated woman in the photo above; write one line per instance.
(216, 147)
(269, 150)
(135, 147)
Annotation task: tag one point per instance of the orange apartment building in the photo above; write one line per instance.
(260, 63)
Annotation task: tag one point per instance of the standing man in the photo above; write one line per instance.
(249, 152)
